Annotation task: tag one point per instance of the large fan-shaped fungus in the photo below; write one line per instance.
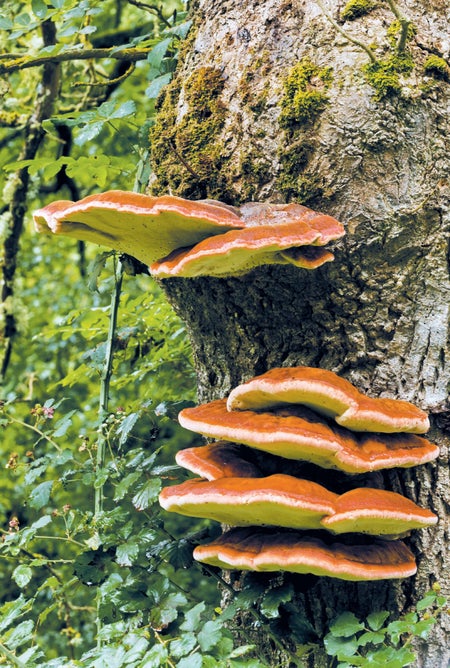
(285, 501)
(268, 550)
(176, 236)
(327, 393)
(218, 460)
(280, 500)
(297, 433)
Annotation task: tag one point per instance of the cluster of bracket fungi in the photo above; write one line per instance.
(279, 521)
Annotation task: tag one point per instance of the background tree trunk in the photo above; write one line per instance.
(372, 148)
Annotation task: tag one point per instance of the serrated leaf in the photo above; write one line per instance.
(22, 575)
(155, 87)
(191, 661)
(40, 495)
(88, 132)
(210, 635)
(158, 52)
(19, 635)
(346, 625)
(155, 657)
(125, 484)
(63, 424)
(127, 108)
(127, 553)
(373, 637)
(11, 610)
(183, 645)
(126, 426)
(193, 617)
(147, 495)
(376, 619)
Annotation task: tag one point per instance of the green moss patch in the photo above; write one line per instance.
(304, 93)
(356, 8)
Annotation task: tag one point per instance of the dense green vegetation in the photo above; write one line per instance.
(92, 572)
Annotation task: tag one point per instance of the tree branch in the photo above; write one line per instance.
(25, 62)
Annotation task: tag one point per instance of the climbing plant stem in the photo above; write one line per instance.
(345, 34)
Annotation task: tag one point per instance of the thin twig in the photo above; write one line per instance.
(345, 34)
(151, 8)
(404, 25)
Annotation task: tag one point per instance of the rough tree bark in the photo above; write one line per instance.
(283, 100)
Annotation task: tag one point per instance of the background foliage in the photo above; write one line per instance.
(92, 572)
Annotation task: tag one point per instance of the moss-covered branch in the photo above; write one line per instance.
(24, 62)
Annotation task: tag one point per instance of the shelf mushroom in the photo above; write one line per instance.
(328, 394)
(268, 550)
(179, 237)
(298, 433)
(218, 460)
(286, 501)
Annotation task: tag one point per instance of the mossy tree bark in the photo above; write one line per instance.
(284, 100)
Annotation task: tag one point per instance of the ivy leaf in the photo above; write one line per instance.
(40, 495)
(274, 598)
(341, 647)
(376, 619)
(346, 625)
(22, 575)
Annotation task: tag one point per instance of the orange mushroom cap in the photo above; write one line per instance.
(327, 393)
(147, 228)
(279, 499)
(297, 433)
(377, 512)
(263, 550)
(238, 251)
(165, 232)
(218, 460)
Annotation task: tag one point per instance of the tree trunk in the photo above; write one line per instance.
(284, 100)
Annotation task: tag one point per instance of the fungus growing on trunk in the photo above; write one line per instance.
(328, 394)
(285, 501)
(280, 500)
(218, 460)
(266, 550)
(298, 433)
(179, 237)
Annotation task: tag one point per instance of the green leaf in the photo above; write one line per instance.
(40, 495)
(128, 108)
(125, 484)
(147, 495)
(274, 598)
(192, 617)
(376, 619)
(426, 602)
(155, 657)
(62, 425)
(10, 611)
(22, 575)
(39, 8)
(158, 52)
(183, 645)
(346, 625)
(210, 635)
(127, 553)
(341, 647)
(88, 132)
(126, 427)
(191, 661)
(19, 635)
(155, 87)
(373, 637)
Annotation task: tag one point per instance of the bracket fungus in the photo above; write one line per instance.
(266, 550)
(285, 522)
(298, 433)
(179, 237)
(328, 394)
(286, 501)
